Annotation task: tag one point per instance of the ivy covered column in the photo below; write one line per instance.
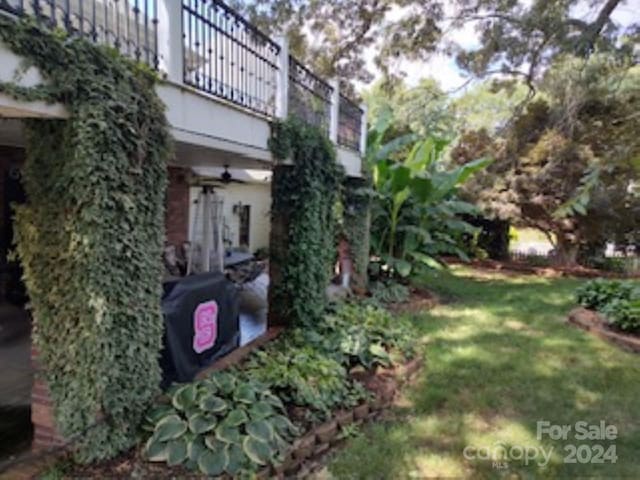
(90, 236)
(356, 201)
(305, 188)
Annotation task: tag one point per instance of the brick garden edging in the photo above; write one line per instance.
(319, 440)
(596, 324)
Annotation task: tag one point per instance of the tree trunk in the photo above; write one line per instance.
(566, 252)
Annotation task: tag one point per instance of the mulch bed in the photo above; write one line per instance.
(596, 324)
(548, 271)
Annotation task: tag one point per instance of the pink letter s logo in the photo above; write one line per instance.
(205, 326)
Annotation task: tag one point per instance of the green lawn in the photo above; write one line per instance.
(500, 358)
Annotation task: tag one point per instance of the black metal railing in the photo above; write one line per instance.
(131, 26)
(349, 124)
(226, 56)
(309, 96)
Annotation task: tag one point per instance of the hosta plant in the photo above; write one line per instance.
(599, 292)
(226, 423)
(623, 314)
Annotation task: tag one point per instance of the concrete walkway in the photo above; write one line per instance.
(16, 377)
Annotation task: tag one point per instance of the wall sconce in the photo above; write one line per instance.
(237, 208)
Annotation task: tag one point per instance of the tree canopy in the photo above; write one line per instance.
(347, 38)
(568, 165)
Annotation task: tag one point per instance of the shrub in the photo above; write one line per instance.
(623, 314)
(618, 301)
(597, 293)
(223, 424)
(304, 376)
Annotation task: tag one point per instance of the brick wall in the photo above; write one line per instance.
(45, 434)
(177, 207)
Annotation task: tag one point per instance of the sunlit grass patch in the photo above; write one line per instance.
(499, 357)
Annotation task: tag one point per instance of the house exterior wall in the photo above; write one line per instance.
(257, 195)
(196, 118)
(13, 71)
(177, 207)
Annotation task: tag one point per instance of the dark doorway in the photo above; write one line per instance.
(16, 429)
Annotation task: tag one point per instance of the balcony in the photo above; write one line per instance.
(224, 80)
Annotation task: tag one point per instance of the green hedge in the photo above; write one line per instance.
(90, 235)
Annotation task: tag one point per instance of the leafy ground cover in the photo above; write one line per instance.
(244, 420)
(499, 358)
(618, 300)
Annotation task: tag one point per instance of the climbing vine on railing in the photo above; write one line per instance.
(305, 188)
(90, 235)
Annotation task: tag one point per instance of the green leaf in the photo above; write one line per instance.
(377, 350)
(271, 399)
(427, 260)
(185, 397)
(200, 423)
(236, 417)
(402, 267)
(284, 426)
(228, 434)
(195, 447)
(176, 451)
(237, 459)
(245, 394)
(212, 443)
(280, 444)
(170, 427)
(211, 403)
(468, 169)
(260, 429)
(156, 414)
(421, 156)
(422, 188)
(393, 146)
(260, 410)
(257, 451)
(213, 463)
(155, 450)
(400, 176)
(225, 382)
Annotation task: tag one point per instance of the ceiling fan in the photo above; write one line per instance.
(227, 178)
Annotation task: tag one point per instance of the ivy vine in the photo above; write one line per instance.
(356, 200)
(305, 188)
(90, 235)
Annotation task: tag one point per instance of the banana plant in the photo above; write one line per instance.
(411, 186)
